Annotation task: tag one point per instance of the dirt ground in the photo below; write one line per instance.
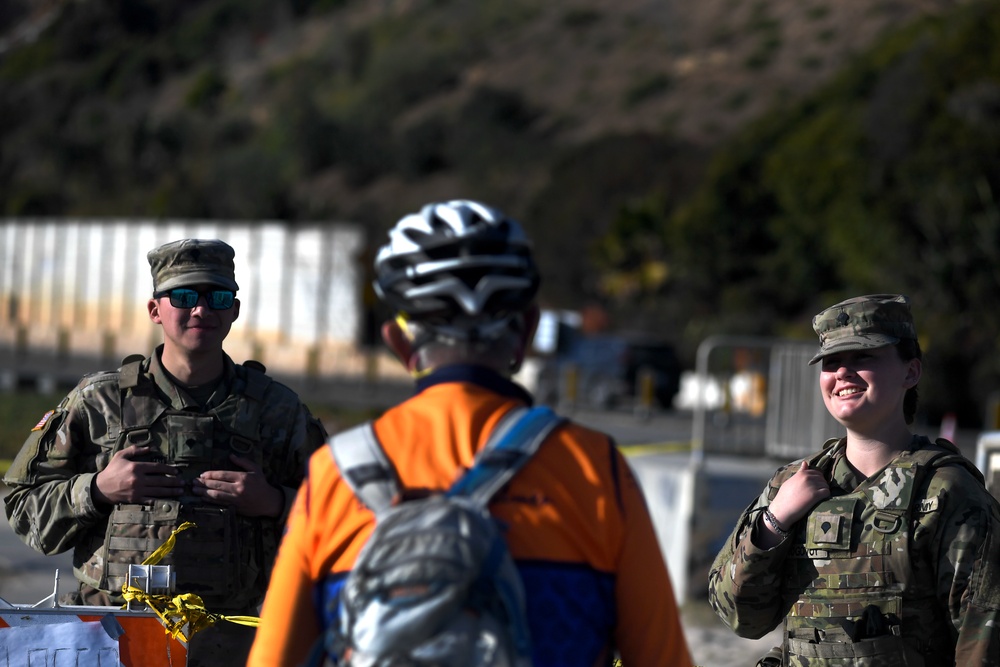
(712, 644)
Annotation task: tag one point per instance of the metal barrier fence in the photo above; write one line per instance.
(770, 402)
(988, 459)
(797, 419)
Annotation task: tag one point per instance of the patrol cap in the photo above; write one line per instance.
(192, 262)
(862, 323)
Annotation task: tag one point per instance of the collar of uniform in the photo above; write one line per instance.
(478, 375)
(179, 399)
(842, 477)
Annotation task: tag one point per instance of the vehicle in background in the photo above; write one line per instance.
(607, 370)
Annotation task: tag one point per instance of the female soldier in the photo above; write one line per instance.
(881, 549)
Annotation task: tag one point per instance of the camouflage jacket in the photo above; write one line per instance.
(51, 505)
(948, 586)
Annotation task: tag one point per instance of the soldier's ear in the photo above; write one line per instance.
(153, 308)
(913, 372)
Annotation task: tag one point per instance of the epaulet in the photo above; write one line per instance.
(256, 365)
(96, 377)
(820, 460)
(256, 378)
(112, 375)
(129, 371)
(939, 453)
(948, 444)
(930, 450)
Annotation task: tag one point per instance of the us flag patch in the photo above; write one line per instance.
(45, 418)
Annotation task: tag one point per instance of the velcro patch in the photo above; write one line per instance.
(43, 420)
(928, 505)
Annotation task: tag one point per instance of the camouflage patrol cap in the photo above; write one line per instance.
(192, 262)
(864, 322)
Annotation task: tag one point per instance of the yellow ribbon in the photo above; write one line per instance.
(179, 611)
(168, 546)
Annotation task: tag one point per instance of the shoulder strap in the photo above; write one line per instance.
(514, 441)
(128, 373)
(941, 452)
(139, 406)
(821, 460)
(368, 471)
(257, 380)
(365, 467)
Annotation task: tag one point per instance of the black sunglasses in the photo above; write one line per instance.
(185, 297)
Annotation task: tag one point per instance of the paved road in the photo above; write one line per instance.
(25, 575)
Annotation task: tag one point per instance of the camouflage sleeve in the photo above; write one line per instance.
(50, 506)
(295, 434)
(966, 542)
(744, 581)
(308, 435)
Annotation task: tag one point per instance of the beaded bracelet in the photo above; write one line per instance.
(772, 521)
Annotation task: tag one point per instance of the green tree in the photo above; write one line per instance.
(886, 180)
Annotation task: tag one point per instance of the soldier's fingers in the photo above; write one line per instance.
(165, 481)
(245, 463)
(221, 475)
(212, 485)
(149, 468)
(133, 451)
(218, 493)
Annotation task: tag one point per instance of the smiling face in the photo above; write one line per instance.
(192, 331)
(864, 389)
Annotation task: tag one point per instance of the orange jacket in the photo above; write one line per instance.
(578, 530)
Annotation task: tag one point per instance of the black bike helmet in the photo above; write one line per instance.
(459, 267)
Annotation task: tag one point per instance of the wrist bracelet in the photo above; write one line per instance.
(772, 521)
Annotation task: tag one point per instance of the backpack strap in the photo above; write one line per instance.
(365, 467)
(371, 475)
(513, 442)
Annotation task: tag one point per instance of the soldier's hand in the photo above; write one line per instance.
(246, 490)
(799, 494)
(128, 479)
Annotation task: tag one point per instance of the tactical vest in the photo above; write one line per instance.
(849, 566)
(221, 559)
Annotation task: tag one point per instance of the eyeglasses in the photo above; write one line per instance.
(184, 297)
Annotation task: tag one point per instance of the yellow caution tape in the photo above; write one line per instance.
(177, 613)
(180, 611)
(655, 448)
(168, 546)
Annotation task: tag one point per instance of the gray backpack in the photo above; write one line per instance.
(435, 583)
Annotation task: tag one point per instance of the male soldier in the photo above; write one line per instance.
(183, 435)
(462, 279)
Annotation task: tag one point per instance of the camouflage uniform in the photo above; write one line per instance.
(227, 559)
(898, 569)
